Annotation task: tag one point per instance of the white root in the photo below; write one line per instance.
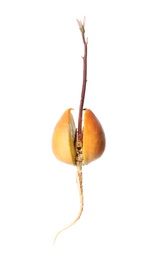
(80, 189)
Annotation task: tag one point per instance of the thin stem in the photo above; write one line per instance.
(82, 29)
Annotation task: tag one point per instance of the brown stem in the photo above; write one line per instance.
(82, 29)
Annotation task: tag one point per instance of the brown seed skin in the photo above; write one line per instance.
(93, 138)
(63, 138)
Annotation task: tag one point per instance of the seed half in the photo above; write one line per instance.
(63, 138)
(93, 138)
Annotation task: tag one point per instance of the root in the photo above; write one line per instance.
(80, 189)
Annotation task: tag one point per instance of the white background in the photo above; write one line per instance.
(40, 77)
